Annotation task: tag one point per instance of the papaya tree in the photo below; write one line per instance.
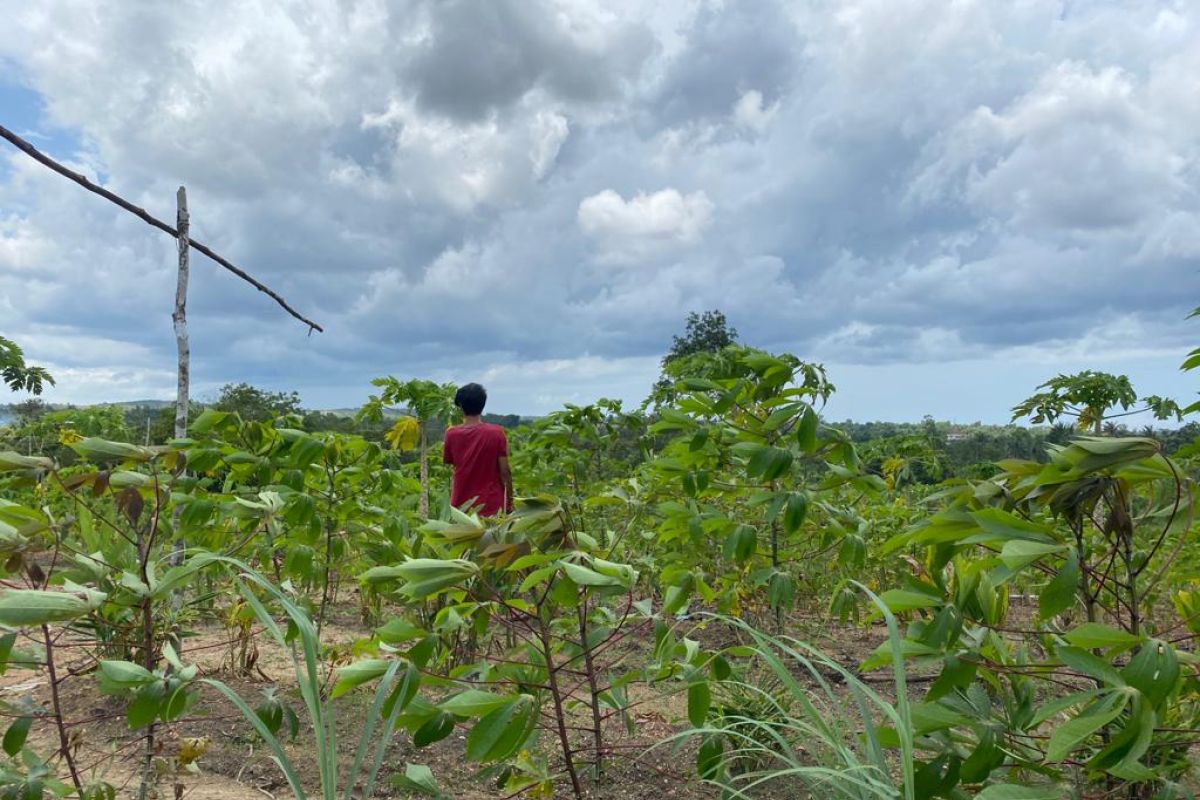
(428, 404)
(16, 374)
(1090, 398)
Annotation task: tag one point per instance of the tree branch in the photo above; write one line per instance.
(142, 214)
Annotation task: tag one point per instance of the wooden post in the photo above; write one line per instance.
(183, 374)
(180, 317)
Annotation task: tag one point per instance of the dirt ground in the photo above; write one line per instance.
(235, 766)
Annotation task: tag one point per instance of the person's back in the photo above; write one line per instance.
(479, 453)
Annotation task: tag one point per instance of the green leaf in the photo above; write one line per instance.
(144, 707)
(781, 591)
(708, 759)
(6, 645)
(806, 431)
(903, 600)
(357, 674)
(1123, 753)
(434, 729)
(10, 461)
(769, 463)
(95, 448)
(118, 676)
(1070, 734)
(1082, 661)
(678, 593)
(929, 717)
(417, 778)
(499, 733)
(14, 737)
(21, 608)
(1061, 704)
(741, 543)
(398, 630)
(473, 703)
(957, 673)
(699, 700)
(1001, 525)
(1059, 594)
(795, 511)
(208, 419)
(1092, 635)
(425, 576)
(1019, 553)
(1154, 671)
(587, 577)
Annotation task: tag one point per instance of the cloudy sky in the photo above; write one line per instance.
(945, 201)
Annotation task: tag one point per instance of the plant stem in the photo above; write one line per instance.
(64, 744)
(559, 712)
(593, 692)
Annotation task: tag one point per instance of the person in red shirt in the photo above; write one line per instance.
(478, 451)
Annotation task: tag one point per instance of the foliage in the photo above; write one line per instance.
(429, 403)
(397, 687)
(533, 634)
(747, 461)
(1089, 397)
(16, 374)
(561, 606)
(707, 332)
(1093, 534)
(253, 404)
(813, 729)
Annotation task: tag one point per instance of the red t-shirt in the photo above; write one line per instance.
(475, 451)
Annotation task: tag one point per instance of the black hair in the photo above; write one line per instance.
(471, 399)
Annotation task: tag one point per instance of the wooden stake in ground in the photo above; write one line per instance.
(184, 353)
(182, 225)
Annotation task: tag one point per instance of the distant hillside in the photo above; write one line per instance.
(141, 403)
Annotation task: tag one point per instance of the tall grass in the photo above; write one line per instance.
(309, 679)
(817, 730)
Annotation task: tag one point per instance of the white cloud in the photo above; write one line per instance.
(646, 224)
(749, 111)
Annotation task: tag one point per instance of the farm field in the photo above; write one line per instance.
(374, 422)
(718, 595)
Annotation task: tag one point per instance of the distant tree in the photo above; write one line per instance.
(252, 403)
(30, 410)
(706, 332)
(19, 376)
(153, 425)
(1090, 397)
(325, 421)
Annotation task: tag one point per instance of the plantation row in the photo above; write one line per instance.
(685, 550)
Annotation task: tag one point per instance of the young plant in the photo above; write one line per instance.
(751, 458)
(817, 729)
(557, 609)
(398, 683)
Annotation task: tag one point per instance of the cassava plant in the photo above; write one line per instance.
(747, 460)
(556, 610)
(1094, 690)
